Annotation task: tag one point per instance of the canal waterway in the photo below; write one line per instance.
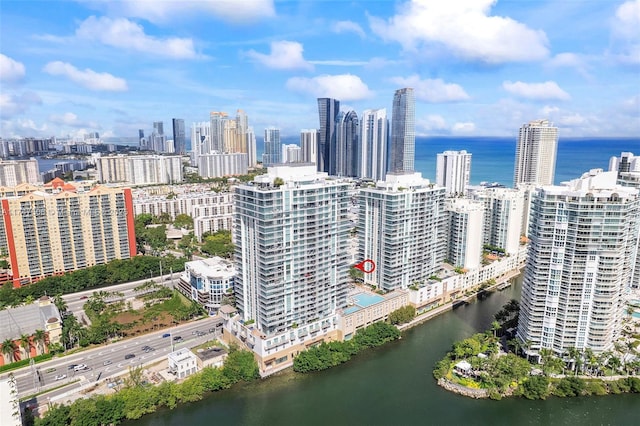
(393, 385)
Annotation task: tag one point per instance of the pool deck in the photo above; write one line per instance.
(363, 300)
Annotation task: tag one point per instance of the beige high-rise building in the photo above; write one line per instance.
(536, 153)
(50, 233)
(15, 172)
(139, 169)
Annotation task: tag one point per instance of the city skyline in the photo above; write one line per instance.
(116, 67)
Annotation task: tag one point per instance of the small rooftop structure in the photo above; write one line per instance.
(182, 363)
(462, 367)
(42, 315)
(211, 357)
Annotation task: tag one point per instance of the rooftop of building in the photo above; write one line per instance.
(27, 319)
(210, 353)
(180, 355)
(211, 267)
(597, 182)
(360, 299)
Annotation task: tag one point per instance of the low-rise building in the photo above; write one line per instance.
(182, 363)
(211, 357)
(207, 281)
(366, 308)
(40, 321)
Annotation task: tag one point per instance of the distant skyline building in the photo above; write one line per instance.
(179, 136)
(627, 162)
(291, 153)
(328, 110)
(536, 153)
(579, 265)
(250, 138)
(465, 223)
(309, 145)
(347, 144)
(403, 132)
(453, 171)
(402, 228)
(272, 147)
(374, 131)
(139, 169)
(142, 142)
(216, 134)
(291, 248)
(16, 172)
(219, 165)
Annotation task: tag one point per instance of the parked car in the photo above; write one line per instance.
(166, 335)
(61, 376)
(129, 356)
(107, 362)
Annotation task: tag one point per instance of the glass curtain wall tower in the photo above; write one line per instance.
(403, 132)
(328, 110)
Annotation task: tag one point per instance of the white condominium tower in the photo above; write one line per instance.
(581, 250)
(536, 153)
(453, 171)
(374, 130)
(291, 233)
(402, 228)
(309, 145)
(627, 162)
(465, 223)
(503, 210)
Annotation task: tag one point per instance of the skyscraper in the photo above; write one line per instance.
(179, 138)
(250, 138)
(347, 144)
(579, 264)
(403, 132)
(328, 110)
(402, 228)
(374, 138)
(291, 234)
(453, 171)
(465, 219)
(216, 135)
(272, 147)
(503, 210)
(142, 142)
(309, 145)
(536, 153)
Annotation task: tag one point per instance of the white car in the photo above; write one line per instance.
(61, 376)
(80, 367)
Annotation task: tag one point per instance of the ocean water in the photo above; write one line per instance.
(493, 158)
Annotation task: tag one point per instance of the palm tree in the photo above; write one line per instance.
(9, 349)
(25, 342)
(39, 336)
(60, 304)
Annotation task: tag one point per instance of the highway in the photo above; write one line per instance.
(114, 353)
(75, 301)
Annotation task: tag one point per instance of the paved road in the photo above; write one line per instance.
(114, 352)
(75, 301)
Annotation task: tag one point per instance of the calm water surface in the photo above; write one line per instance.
(393, 385)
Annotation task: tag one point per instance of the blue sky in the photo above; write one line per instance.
(479, 67)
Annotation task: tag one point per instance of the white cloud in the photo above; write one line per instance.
(548, 110)
(348, 27)
(166, 11)
(11, 71)
(625, 30)
(285, 55)
(344, 87)
(536, 91)
(465, 28)
(22, 127)
(570, 60)
(464, 127)
(71, 119)
(87, 78)
(433, 90)
(571, 120)
(11, 105)
(340, 63)
(125, 34)
(432, 123)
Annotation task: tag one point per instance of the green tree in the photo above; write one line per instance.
(9, 349)
(536, 387)
(402, 315)
(240, 365)
(39, 337)
(183, 221)
(218, 244)
(25, 342)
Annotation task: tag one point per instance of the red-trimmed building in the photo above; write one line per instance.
(61, 227)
